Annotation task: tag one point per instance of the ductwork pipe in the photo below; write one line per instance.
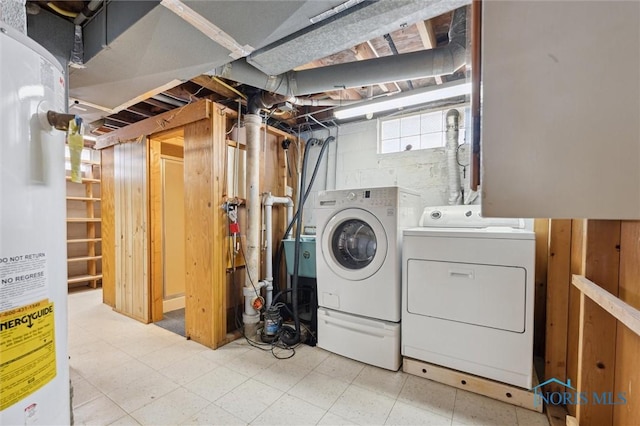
(87, 12)
(268, 201)
(252, 122)
(455, 194)
(408, 66)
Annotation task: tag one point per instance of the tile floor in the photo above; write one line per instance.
(128, 373)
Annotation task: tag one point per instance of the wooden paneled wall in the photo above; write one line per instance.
(205, 231)
(108, 227)
(131, 242)
(607, 253)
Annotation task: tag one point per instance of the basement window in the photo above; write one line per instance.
(410, 132)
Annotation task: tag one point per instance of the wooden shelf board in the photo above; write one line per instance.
(83, 278)
(82, 219)
(85, 180)
(84, 240)
(82, 199)
(83, 258)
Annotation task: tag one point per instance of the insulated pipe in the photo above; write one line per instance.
(268, 201)
(425, 63)
(252, 256)
(455, 195)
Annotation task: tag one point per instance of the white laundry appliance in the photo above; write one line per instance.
(358, 271)
(468, 293)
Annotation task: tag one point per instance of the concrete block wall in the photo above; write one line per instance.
(358, 165)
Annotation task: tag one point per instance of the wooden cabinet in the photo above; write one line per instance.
(83, 224)
(560, 108)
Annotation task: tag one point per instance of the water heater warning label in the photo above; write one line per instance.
(27, 351)
(23, 279)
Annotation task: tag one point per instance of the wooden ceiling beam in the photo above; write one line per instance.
(215, 85)
(428, 37)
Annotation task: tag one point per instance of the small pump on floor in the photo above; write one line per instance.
(272, 324)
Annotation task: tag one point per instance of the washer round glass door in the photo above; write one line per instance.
(354, 244)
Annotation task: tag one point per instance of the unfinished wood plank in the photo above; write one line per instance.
(558, 284)
(541, 229)
(155, 217)
(108, 231)
(627, 377)
(131, 221)
(578, 229)
(161, 122)
(496, 390)
(205, 231)
(556, 414)
(623, 312)
(597, 329)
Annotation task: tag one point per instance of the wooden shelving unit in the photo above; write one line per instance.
(84, 254)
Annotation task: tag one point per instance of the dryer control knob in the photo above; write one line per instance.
(351, 196)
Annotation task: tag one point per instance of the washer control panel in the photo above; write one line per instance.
(369, 197)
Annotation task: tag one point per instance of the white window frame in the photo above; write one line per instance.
(402, 147)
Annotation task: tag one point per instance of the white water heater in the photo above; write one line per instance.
(34, 367)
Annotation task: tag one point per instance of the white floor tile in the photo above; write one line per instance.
(309, 356)
(340, 368)
(319, 390)
(405, 414)
(363, 406)
(283, 374)
(125, 421)
(115, 378)
(385, 382)
(189, 369)
(216, 383)
(331, 419)
(473, 409)
(141, 392)
(169, 355)
(428, 395)
(214, 416)
(289, 410)
(83, 392)
(100, 411)
(171, 409)
(249, 399)
(251, 362)
(128, 373)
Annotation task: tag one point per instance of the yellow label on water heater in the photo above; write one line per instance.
(27, 351)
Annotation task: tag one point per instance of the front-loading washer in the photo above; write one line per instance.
(359, 233)
(468, 293)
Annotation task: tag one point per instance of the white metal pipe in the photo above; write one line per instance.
(252, 254)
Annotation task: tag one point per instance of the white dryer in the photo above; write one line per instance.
(468, 293)
(359, 233)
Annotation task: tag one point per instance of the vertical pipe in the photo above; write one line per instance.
(455, 194)
(252, 255)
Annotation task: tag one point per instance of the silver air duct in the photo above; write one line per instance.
(408, 66)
